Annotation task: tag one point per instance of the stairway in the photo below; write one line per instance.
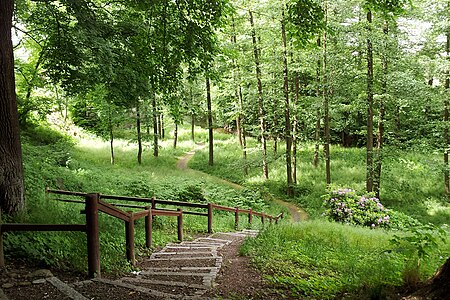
(178, 271)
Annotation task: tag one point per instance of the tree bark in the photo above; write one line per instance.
(446, 114)
(318, 114)
(210, 123)
(175, 136)
(155, 126)
(287, 114)
(11, 170)
(262, 113)
(369, 157)
(111, 134)
(380, 132)
(139, 135)
(193, 127)
(326, 105)
(295, 129)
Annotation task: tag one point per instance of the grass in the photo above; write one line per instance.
(315, 259)
(412, 181)
(82, 163)
(324, 260)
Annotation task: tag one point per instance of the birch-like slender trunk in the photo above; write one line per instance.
(262, 114)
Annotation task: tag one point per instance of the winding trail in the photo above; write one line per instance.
(297, 214)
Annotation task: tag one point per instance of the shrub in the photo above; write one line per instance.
(346, 206)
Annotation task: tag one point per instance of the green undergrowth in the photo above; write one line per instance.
(411, 183)
(325, 260)
(82, 163)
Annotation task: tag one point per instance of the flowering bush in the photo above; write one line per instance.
(344, 205)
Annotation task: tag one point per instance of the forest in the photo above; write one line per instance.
(337, 107)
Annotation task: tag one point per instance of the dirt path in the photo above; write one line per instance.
(297, 214)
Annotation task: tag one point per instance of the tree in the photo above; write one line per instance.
(210, 122)
(11, 170)
(261, 109)
(287, 112)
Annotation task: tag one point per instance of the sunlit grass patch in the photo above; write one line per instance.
(322, 260)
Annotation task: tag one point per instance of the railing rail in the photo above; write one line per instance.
(94, 203)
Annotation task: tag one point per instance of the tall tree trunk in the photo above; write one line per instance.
(111, 134)
(175, 136)
(193, 127)
(155, 125)
(262, 113)
(275, 105)
(139, 135)
(162, 132)
(295, 128)
(369, 161)
(380, 132)
(192, 115)
(210, 123)
(11, 171)
(287, 113)
(240, 104)
(446, 113)
(326, 105)
(318, 114)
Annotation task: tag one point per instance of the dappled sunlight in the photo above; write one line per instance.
(435, 208)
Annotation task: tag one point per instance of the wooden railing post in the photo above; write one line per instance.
(129, 238)
(153, 202)
(180, 224)
(153, 205)
(236, 218)
(250, 216)
(92, 233)
(210, 217)
(148, 227)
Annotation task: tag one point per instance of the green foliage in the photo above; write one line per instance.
(345, 206)
(423, 239)
(307, 18)
(323, 260)
(51, 159)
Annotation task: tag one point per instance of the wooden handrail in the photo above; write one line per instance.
(225, 208)
(153, 201)
(113, 211)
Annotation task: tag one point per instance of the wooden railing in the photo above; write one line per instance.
(94, 203)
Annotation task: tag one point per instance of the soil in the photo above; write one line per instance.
(238, 279)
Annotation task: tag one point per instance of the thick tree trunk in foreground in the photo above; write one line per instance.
(210, 123)
(11, 171)
(262, 113)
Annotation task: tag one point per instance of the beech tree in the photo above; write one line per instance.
(11, 170)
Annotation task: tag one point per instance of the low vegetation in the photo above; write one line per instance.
(81, 163)
(377, 247)
(318, 259)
